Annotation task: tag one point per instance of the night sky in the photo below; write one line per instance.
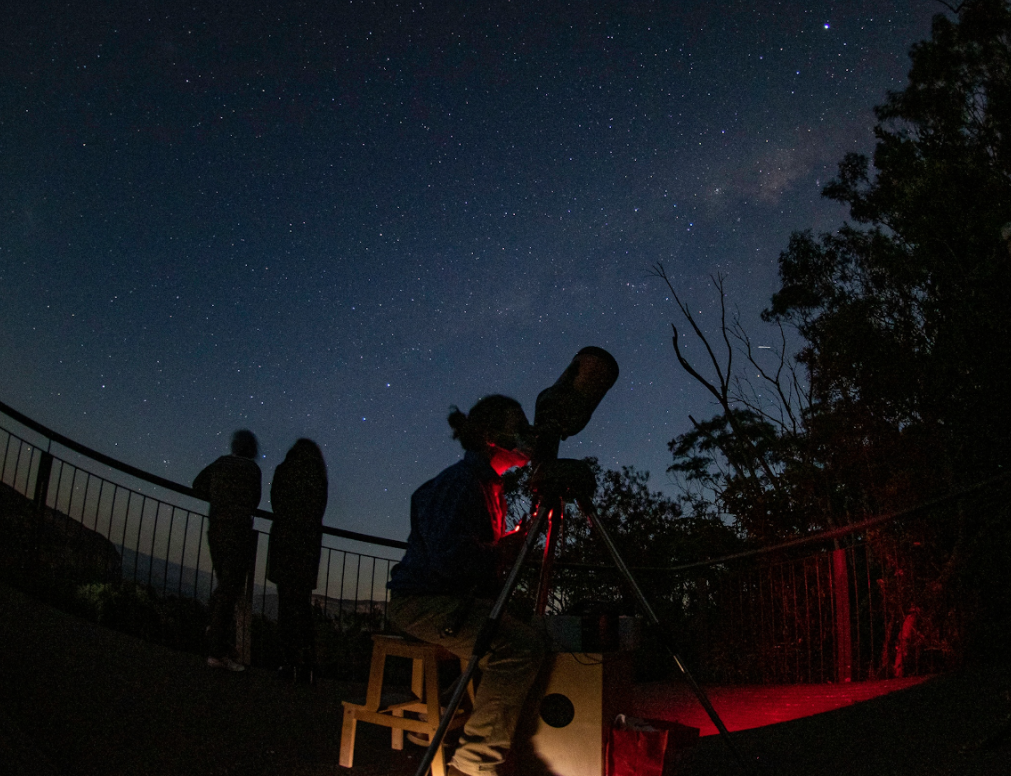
(335, 220)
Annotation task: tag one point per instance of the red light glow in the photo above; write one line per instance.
(742, 708)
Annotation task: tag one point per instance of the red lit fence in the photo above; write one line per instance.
(878, 599)
(825, 617)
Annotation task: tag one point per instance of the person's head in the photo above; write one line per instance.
(244, 444)
(305, 451)
(497, 428)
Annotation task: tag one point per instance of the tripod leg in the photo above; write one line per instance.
(482, 645)
(590, 512)
(548, 560)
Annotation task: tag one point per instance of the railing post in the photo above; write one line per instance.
(34, 563)
(42, 480)
(843, 625)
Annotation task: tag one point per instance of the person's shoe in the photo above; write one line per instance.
(225, 663)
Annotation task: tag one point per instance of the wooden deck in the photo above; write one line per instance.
(77, 699)
(744, 708)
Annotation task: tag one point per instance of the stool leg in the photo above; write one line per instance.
(418, 678)
(417, 688)
(432, 691)
(434, 711)
(374, 693)
(397, 734)
(439, 762)
(348, 730)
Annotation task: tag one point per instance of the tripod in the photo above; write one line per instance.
(569, 481)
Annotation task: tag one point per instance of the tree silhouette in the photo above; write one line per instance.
(905, 310)
(906, 326)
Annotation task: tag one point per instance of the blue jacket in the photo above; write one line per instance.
(456, 520)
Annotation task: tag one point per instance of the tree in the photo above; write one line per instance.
(907, 342)
(649, 529)
(907, 322)
(902, 311)
(752, 463)
(905, 311)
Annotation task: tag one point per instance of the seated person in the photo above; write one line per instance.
(443, 590)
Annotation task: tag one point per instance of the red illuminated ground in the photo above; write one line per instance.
(742, 708)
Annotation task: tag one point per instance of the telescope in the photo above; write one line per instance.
(564, 409)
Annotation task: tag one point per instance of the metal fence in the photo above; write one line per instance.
(816, 618)
(853, 604)
(883, 598)
(88, 517)
(888, 597)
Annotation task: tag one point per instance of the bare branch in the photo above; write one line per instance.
(722, 394)
(718, 282)
(691, 370)
(955, 10)
(722, 391)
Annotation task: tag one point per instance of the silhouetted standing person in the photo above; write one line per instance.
(298, 495)
(232, 486)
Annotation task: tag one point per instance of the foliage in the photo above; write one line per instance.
(905, 312)
(905, 331)
(343, 643)
(905, 326)
(139, 611)
(649, 529)
(652, 533)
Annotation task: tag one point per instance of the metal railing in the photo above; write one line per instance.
(876, 599)
(851, 608)
(817, 618)
(99, 519)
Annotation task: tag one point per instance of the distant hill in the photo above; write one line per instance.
(44, 541)
(56, 544)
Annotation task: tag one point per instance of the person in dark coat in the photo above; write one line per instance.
(443, 590)
(232, 487)
(298, 496)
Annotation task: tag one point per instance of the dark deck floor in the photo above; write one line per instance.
(77, 699)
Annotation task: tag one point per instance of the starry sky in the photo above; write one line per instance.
(337, 219)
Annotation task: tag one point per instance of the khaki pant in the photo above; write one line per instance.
(507, 671)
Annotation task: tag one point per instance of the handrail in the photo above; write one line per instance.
(360, 537)
(815, 538)
(154, 479)
(834, 533)
(77, 447)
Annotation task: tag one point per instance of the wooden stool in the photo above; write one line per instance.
(425, 687)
